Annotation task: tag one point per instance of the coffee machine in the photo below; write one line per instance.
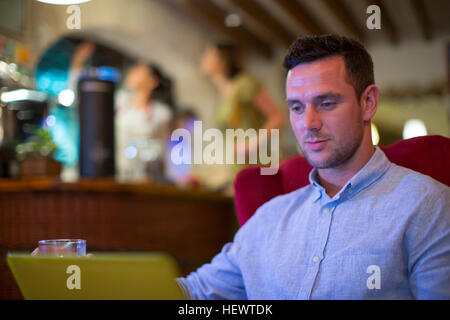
(20, 109)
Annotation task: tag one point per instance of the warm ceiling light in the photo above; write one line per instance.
(414, 128)
(233, 20)
(64, 2)
(375, 135)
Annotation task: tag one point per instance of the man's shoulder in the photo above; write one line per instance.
(300, 193)
(277, 207)
(417, 195)
(415, 182)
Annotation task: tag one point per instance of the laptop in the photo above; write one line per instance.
(103, 276)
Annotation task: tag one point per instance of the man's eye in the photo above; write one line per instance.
(297, 109)
(328, 104)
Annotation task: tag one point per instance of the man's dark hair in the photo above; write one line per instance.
(358, 62)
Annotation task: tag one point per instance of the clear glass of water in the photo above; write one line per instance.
(63, 247)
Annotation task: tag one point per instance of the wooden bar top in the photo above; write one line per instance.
(110, 185)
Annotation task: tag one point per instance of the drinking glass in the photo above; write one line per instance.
(63, 247)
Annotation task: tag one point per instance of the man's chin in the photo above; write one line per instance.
(319, 162)
(319, 165)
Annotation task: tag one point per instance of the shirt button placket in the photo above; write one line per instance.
(316, 259)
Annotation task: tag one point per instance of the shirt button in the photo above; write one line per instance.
(350, 191)
(316, 259)
(326, 210)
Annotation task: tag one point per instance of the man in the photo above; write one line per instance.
(364, 228)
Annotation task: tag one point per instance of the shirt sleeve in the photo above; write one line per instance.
(429, 247)
(220, 279)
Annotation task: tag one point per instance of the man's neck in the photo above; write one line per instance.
(333, 179)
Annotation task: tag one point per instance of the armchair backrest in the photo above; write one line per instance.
(429, 155)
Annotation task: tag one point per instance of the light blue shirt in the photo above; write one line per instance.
(385, 235)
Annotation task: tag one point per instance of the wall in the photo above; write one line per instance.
(416, 62)
(142, 28)
(151, 29)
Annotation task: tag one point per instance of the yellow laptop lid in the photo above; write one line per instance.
(121, 276)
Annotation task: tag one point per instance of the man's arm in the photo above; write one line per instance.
(428, 244)
(225, 276)
(220, 279)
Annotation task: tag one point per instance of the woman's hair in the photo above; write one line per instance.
(232, 58)
(163, 92)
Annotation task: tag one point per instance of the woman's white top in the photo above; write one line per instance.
(140, 138)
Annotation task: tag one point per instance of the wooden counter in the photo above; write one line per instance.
(190, 225)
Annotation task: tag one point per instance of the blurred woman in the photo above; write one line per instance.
(142, 123)
(143, 114)
(244, 102)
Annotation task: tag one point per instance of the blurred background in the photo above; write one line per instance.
(37, 48)
(90, 94)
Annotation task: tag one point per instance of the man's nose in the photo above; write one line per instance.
(311, 119)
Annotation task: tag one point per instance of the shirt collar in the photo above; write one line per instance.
(372, 171)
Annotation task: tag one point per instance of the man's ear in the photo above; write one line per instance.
(369, 102)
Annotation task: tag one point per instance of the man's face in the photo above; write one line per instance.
(324, 112)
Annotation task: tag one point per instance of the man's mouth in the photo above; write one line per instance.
(317, 144)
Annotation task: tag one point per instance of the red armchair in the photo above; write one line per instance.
(429, 155)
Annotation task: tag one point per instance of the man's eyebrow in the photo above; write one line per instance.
(320, 97)
(290, 102)
(328, 95)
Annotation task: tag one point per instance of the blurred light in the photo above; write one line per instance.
(375, 135)
(233, 20)
(131, 152)
(15, 76)
(12, 67)
(58, 86)
(414, 128)
(66, 97)
(108, 74)
(23, 94)
(64, 2)
(3, 67)
(50, 121)
(44, 81)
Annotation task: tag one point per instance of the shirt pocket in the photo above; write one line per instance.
(365, 276)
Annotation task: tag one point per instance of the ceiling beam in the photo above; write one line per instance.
(302, 15)
(264, 19)
(345, 17)
(387, 23)
(214, 17)
(421, 15)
